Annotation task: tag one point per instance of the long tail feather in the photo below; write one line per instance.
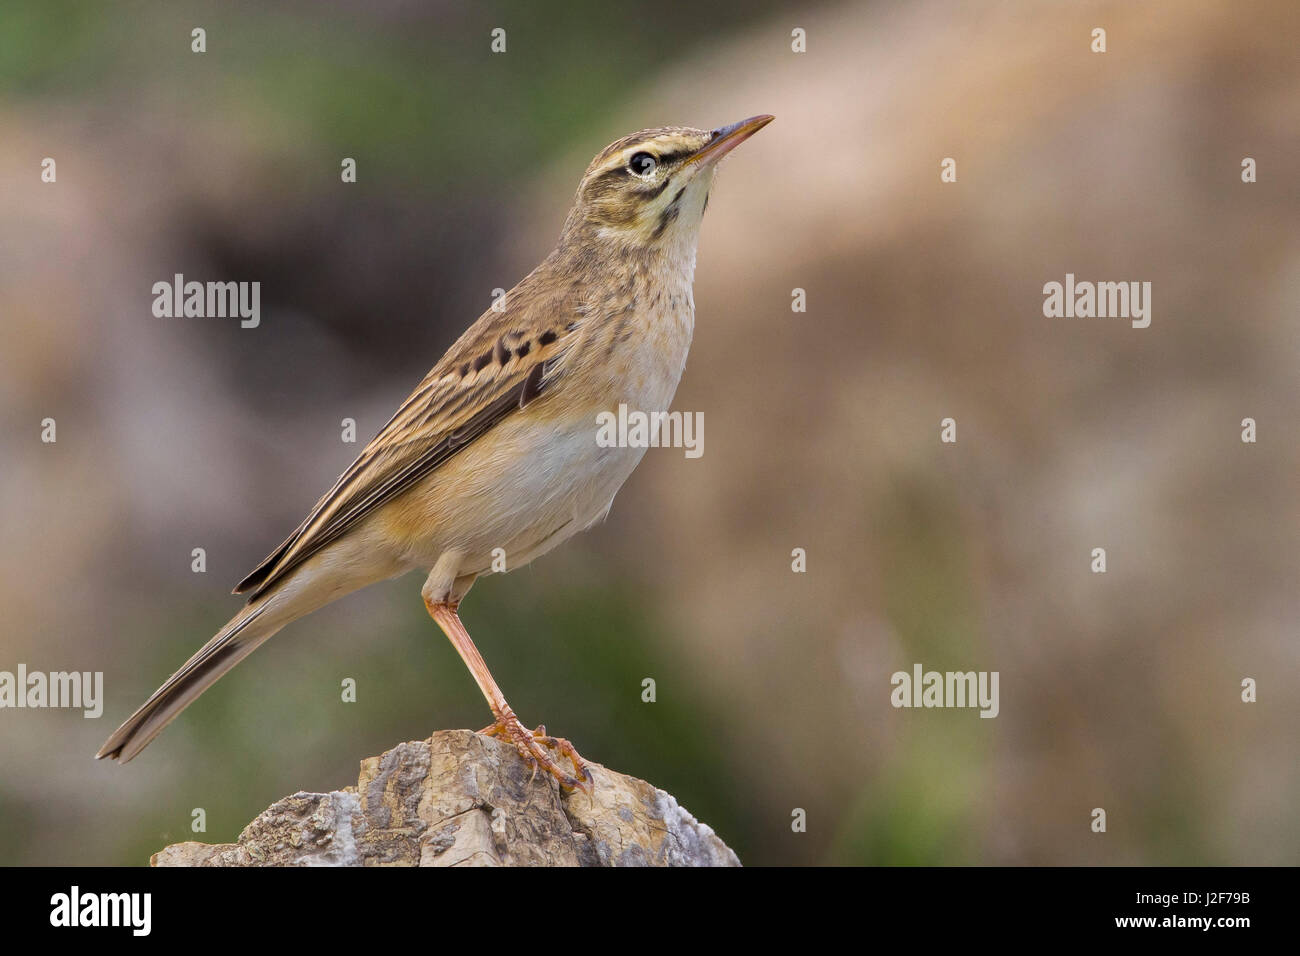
(239, 638)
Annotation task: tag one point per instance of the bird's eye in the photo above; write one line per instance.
(641, 164)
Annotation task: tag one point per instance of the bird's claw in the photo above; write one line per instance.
(532, 745)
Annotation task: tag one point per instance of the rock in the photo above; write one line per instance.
(462, 799)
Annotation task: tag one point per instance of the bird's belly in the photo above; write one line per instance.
(552, 484)
(520, 490)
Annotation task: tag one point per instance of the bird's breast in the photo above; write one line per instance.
(545, 473)
(639, 352)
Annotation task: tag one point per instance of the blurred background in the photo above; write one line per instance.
(1118, 690)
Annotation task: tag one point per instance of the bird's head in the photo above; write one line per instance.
(649, 189)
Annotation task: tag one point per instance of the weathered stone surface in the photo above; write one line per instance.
(460, 799)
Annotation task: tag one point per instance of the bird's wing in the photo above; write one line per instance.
(501, 363)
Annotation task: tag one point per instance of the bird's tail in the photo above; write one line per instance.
(254, 624)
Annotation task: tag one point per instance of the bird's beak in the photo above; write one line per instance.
(727, 138)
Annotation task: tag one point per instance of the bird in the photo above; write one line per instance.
(496, 447)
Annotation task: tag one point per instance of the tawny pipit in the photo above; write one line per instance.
(497, 448)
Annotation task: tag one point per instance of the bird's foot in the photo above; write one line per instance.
(532, 745)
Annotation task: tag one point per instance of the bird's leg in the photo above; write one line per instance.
(530, 744)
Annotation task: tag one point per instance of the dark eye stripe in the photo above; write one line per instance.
(620, 171)
(673, 157)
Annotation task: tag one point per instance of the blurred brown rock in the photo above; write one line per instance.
(461, 799)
